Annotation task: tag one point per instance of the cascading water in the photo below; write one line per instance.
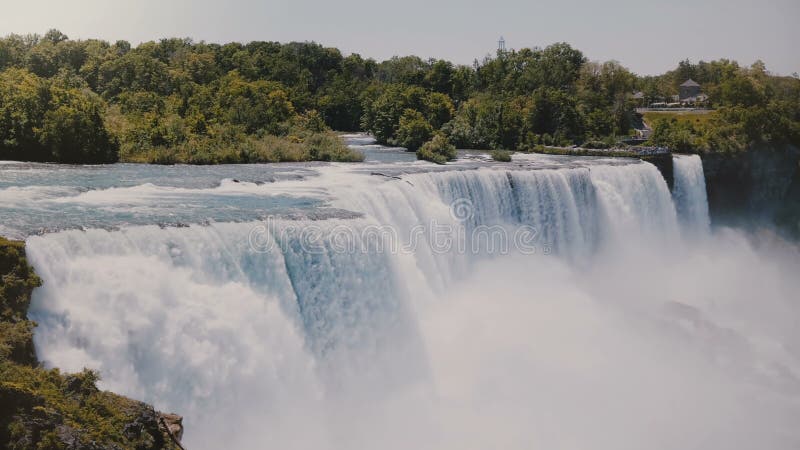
(373, 331)
(571, 210)
(690, 192)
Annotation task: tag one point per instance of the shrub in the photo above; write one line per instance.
(501, 155)
(596, 144)
(50, 120)
(310, 121)
(270, 148)
(438, 150)
(413, 130)
(329, 147)
(238, 148)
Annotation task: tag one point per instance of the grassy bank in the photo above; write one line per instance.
(233, 148)
(696, 117)
(47, 409)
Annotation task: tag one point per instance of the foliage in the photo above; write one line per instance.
(438, 150)
(18, 281)
(413, 130)
(420, 110)
(479, 124)
(49, 120)
(620, 153)
(254, 105)
(178, 100)
(501, 155)
(175, 100)
(72, 129)
(753, 108)
(45, 409)
(698, 117)
(228, 146)
(730, 129)
(328, 147)
(596, 144)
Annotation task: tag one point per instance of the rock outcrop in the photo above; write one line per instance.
(173, 425)
(42, 408)
(757, 186)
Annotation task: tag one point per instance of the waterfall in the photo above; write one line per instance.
(327, 301)
(690, 193)
(332, 333)
(573, 211)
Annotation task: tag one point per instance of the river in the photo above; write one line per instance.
(550, 302)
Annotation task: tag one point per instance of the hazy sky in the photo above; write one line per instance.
(646, 36)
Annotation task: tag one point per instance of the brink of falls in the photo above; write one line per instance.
(552, 302)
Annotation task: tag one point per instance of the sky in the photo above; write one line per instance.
(647, 36)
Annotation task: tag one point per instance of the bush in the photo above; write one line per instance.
(270, 148)
(329, 147)
(501, 155)
(243, 149)
(596, 144)
(413, 130)
(679, 136)
(49, 120)
(438, 150)
(311, 121)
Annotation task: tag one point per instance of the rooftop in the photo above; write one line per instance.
(690, 83)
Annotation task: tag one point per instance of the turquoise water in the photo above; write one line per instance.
(38, 198)
(310, 330)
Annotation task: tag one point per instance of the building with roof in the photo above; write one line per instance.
(689, 91)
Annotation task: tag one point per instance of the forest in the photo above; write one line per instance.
(179, 101)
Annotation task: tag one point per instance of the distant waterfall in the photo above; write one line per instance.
(689, 192)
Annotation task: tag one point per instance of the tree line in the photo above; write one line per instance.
(176, 100)
(752, 107)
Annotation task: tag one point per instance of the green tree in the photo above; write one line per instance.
(54, 36)
(438, 150)
(133, 71)
(739, 91)
(439, 78)
(438, 109)
(73, 130)
(413, 130)
(24, 100)
(555, 113)
(257, 105)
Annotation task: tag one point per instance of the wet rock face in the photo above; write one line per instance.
(788, 214)
(751, 187)
(664, 165)
(145, 429)
(174, 424)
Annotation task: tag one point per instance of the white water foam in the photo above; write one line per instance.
(689, 192)
(627, 339)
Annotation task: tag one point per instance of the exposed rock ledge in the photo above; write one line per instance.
(46, 409)
(761, 184)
